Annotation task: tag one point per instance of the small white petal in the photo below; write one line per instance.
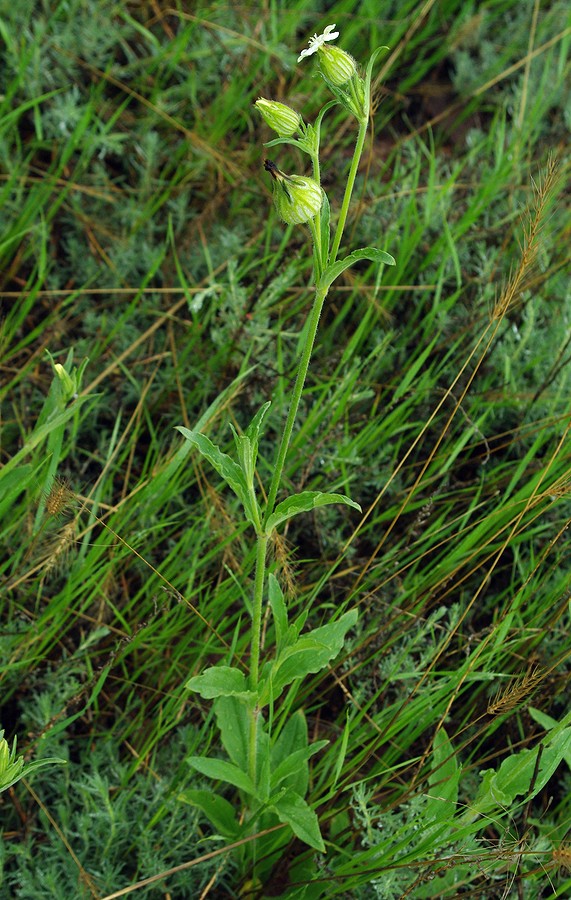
(307, 52)
(317, 40)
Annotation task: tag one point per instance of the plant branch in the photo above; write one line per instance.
(313, 323)
(349, 188)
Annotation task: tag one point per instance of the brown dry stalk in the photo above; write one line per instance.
(514, 693)
(535, 215)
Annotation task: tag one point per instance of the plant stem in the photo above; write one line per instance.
(313, 322)
(312, 325)
(349, 188)
(261, 549)
(262, 536)
(320, 296)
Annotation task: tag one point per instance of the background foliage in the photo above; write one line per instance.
(137, 231)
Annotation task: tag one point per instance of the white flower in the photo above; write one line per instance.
(317, 40)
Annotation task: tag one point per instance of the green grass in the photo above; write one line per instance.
(138, 231)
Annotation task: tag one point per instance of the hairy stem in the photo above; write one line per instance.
(314, 316)
(349, 189)
(261, 549)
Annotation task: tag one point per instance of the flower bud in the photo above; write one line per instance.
(281, 118)
(297, 198)
(336, 66)
(67, 382)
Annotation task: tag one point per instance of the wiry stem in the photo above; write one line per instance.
(349, 188)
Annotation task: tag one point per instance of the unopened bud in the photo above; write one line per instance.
(68, 383)
(297, 198)
(337, 66)
(281, 118)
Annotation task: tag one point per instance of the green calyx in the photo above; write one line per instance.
(297, 198)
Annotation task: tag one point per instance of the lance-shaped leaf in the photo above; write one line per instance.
(310, 653)
(525, 772)
(279, 609)
(224, 464)
(247, 444)
(220, 681)
(304, 502)
(221, 770)
(333, 271)
(443, 781)
(295, 812)
(369, 74)
(219, 812)
(233, 717)
(12, 767)
(230, 471)
(290, 753)
(295, 768)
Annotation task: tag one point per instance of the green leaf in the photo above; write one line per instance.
(13, 767)
(233, 720)
(521, 774)
(292, 737)
(291, 740)
(263, 763)
(309, 654)
(13, 484)
(295, 142)
(247, 449)
(166, 474)
(220, 681)
(253, 429)
(279, 610)
(295, 768)
(549, 723)
(443, 780)
(304, 502)
(41, 432)
(244, 451)
(342, 752)
(295, 812)
(224, 465)
(332, 272)
(369, 74)
(319, 120)
(234, 717)
(221, 770)
(18, 769)
(218, 811)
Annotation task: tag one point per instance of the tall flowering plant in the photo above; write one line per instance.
(270, 767)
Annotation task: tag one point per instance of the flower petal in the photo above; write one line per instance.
(307, 52)
(317, 40)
